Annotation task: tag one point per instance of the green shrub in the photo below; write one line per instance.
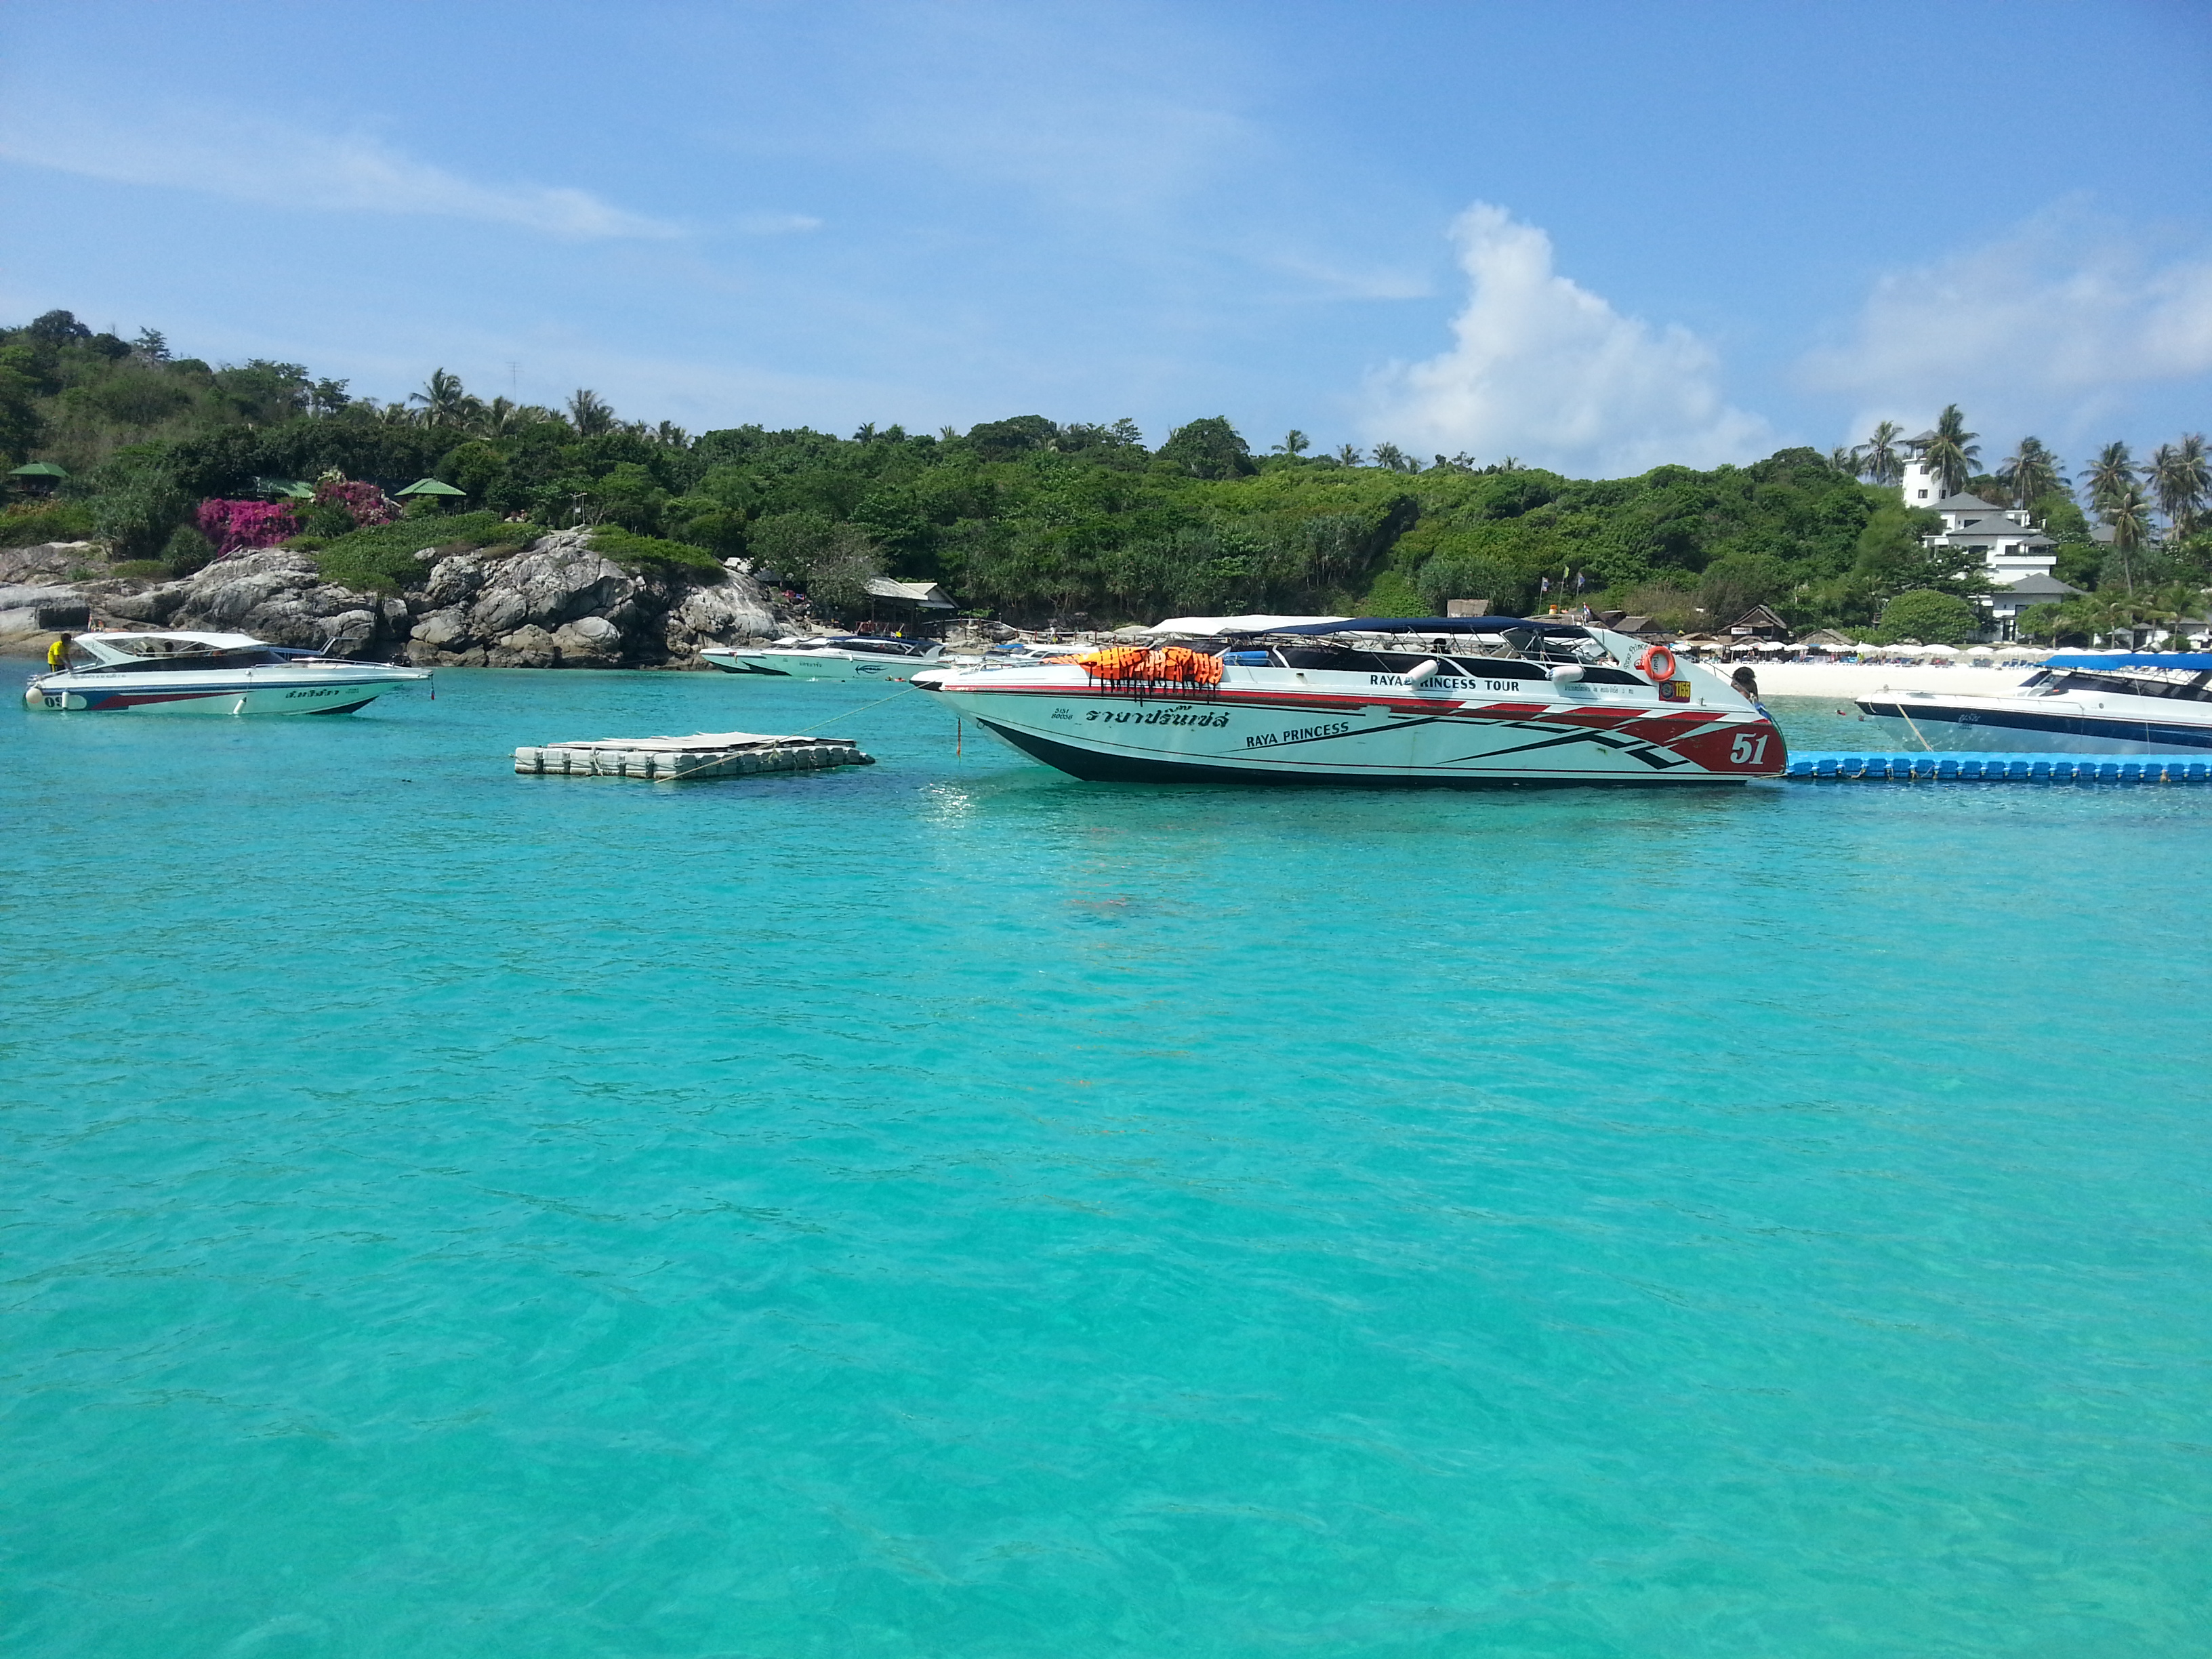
(1929, 616)
(46, 521)
(1393, 596)
(630, 551)
(381, 558)
(139, 570)
(186, 551)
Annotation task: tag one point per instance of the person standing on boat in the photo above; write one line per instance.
(1746, 683)
(57, 653)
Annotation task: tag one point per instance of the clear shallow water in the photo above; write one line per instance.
(943, 1208)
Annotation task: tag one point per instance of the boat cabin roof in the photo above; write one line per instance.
(117, 646)
(1437, 625)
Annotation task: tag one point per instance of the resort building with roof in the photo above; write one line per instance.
(2019, 557)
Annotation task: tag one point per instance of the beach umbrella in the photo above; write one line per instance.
(1772, 645)
(1981, 651)
(1939, 650)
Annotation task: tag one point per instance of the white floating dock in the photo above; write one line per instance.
(702, 755)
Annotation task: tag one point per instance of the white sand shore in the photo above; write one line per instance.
(1822, 679)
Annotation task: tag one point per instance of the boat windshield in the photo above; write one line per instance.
(873, 643)
(2193, 689)
(187, 656)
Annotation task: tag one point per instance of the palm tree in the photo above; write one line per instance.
(671, 436)
(2178, 472)
(2128, 515)
(2031, 472)
(1952, 452)
(2110, 476)
(589, 414)
(1351, 455)
(1878, 459)
(1845, 458)
(1295, 442)
(445, 401)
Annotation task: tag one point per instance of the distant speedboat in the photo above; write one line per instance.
(183, 674)
(838, 657)
(2080, 703)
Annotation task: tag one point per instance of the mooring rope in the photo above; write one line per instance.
(849, 714)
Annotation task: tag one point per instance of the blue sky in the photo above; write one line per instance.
(1595, 236)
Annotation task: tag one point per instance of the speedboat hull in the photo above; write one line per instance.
(335, 691)
(1465, 734)
(2043, 726)
(817, 664)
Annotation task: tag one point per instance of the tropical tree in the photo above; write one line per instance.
(1878, 461)
(1295, 442)
(1389, 454)
(1351, 455)
(1952, 452)
(589, 414)
(2197, 471)
(444, 400)
(2128, 513)
(2181, 480)
(2110, 476)
(2031, 472)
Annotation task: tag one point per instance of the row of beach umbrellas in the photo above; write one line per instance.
(1927, 652)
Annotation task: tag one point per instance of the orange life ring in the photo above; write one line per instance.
(1657, 661)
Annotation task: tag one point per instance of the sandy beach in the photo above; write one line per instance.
(1820, 679)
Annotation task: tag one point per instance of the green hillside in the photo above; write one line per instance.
(1026, 518)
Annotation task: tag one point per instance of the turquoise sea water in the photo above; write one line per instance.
(945, 1209)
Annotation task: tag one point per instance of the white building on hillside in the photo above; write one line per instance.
(2012, 550)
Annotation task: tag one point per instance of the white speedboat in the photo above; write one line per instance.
(165, 673)
(837, 657)
(1458, 701)
(2078, 703)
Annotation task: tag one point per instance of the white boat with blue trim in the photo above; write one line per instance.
(2079, 702)
(196, 673)
(833, 657)
(1459, 702)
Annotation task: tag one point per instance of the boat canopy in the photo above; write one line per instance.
(119, 647)
(2194, 662)
(1207, 626)
(1433, 625)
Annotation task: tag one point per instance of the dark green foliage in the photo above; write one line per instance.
(632, 551)
(186, 551)
(47, 521)
(1929, 616)
(136, 500)
(1211, 448)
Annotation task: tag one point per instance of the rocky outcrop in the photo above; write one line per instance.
(274, 595)
(554, 603)
(558, 604)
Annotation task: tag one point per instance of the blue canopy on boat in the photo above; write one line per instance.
(1430, 625)
(2196, 662)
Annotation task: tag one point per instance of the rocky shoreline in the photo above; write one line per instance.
(554, 602)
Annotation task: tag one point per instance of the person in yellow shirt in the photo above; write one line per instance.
(57, 653)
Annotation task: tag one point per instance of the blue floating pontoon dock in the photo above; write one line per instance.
(1818, 767)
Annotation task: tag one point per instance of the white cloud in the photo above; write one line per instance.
(261, 161)
(777, 224)
(1546, 370)
(2049, 327)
